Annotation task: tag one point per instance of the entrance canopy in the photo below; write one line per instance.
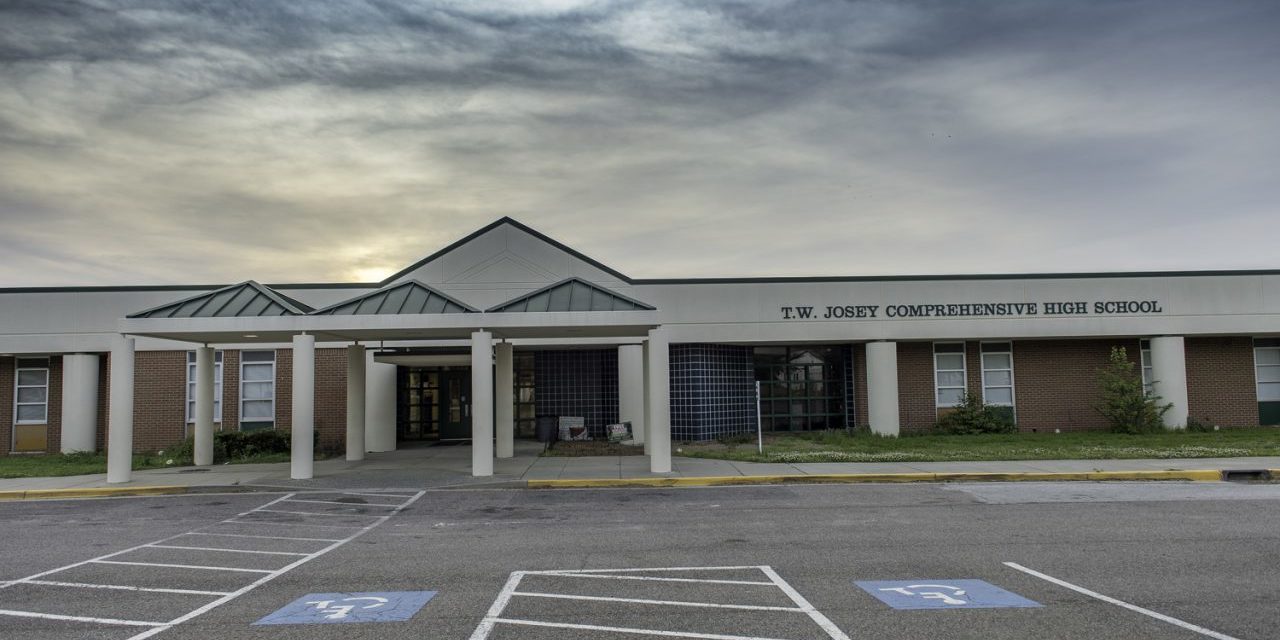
(251, 312)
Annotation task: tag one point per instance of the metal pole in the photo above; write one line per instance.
(759, 426)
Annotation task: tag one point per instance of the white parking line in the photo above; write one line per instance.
(317, 513)
(294, 524)
(179, 566)
(1120, 603)
(647, 632)
(122, 587)
(55, 616)
(672, 603)
(245, 535)
(269, 553)
(657, 579)
(509, 591)
(345, 504)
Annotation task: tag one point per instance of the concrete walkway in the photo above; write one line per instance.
(450, 467)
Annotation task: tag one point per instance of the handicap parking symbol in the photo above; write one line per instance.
(943, 594)
(328, 608)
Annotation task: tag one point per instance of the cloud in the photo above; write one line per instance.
(156, 142)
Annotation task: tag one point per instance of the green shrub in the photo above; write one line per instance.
(1125, 401)
(236, 445)
(1200, 426)
(974, 416)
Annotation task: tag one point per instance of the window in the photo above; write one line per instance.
(525, 408)
(997, 375)
(949, 373)
(31, 391)
(801, 388)
(191, 386)
(257, 390)
(1266, 357)
(1148, 372)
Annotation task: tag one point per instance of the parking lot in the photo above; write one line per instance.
(784, 562)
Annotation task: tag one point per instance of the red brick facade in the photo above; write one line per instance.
(1221, 385)
(1055, 388)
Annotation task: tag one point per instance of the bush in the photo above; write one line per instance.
(973, 416)
(236, 445)
(1125, 401)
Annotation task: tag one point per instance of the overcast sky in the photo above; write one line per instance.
(158, 142)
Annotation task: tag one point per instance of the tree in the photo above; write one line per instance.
(1125, 401)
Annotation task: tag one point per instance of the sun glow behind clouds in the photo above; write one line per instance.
(370, 274)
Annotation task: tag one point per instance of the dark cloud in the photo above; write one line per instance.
(198, 141)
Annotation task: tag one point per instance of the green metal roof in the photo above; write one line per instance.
(400, 299)
(247, 299)
(573, 294)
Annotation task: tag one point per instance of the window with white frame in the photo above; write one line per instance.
(997, 373)
(31, 391)
(217, 386)
(1266, 358)
(257, 389)
(1148, 372)
(948, 373)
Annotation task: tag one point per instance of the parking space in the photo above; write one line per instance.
(151, 587)
(694, 602)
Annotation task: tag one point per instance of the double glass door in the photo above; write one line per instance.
(434, 404)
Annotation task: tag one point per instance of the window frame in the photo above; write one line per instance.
(17, 386)
(274, 388)
(218, 389)
(1013, 383)
(1257, 369)
(964, 371)
(1146, 366)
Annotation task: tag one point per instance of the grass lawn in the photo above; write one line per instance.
(839, 446)
(75, 464)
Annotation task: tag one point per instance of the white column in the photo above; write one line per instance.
(79, 402)
(882, 387)
(481, 403)
(631, 388)
(355, 402)
(302, 455)
(504, 405)
(203, 435)
(380, 405)
(659, 402)
(647, 427)
(1169, 378)
(120, 416)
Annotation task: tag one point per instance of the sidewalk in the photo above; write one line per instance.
(450, 467)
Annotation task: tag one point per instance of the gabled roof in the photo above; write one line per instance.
(572, 294)
(247, 299)
(506, 220)
(404, 298)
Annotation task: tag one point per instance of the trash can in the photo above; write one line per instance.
(545, 428)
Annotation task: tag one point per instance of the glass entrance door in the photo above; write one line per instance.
(418, 409)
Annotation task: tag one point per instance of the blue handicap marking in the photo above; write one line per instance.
(373, 606)
(943, 594)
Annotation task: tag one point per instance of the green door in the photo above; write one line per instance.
(455, 405)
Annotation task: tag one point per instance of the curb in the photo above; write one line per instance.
(93, 492)
(1199, 475)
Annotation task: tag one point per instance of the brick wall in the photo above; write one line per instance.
(331, 398)
(53, 430)
(916, 405)
(6, 404)
(159, 399)
(1056, 382)
(1221, 388)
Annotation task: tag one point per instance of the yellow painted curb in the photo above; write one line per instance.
(1197, 475)
(91, 492)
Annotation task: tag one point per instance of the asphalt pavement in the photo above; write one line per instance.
(1094, 560)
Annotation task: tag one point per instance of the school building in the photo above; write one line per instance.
(476, 341)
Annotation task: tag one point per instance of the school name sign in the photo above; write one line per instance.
(972, 310)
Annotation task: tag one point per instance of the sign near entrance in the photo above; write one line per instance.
(943, 594)
(1058, 308)
(327, 608)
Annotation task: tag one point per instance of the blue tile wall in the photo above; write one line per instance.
(577, 382)
(850, 413)
(713, 391)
